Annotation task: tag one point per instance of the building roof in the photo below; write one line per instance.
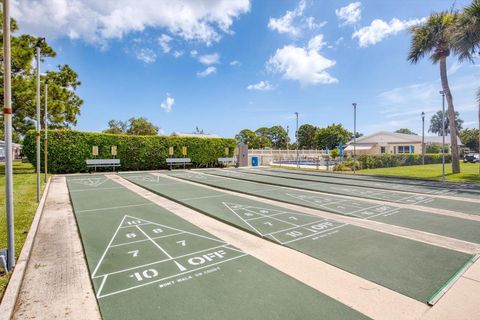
(393, 137)
(194, 134)
(14, 145)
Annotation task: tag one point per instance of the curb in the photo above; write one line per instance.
(7, 307)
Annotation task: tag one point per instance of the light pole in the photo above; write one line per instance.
(37, 54)
(354, 136)
(45, 142)
(7, 121)
(288, 138)
(296, 138)
(423, 138)
(443, 135)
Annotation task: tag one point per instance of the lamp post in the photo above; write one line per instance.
(288, 138)
(296, 138)
(423, 138)
(354, 136)
(443, 135)
(38, 126)
(45, 142)
(7, 121)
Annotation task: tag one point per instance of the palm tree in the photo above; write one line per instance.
(434, 38)
(466, 37)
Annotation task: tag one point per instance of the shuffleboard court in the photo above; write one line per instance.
(381, 185)
(448, 226)
(462, 187)
(423, 200)
(415, 269)
(147, 263)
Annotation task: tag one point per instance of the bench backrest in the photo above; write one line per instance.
(102, 161)
(178, 160)
(227, 159)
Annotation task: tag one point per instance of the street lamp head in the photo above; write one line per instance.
(354, 104)
(442, 92)
(39, 42)
(423, 114)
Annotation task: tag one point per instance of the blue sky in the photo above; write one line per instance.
(225, 65)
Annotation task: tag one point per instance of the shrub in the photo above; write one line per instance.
(68, 150)
(347, 166)
(396, 160)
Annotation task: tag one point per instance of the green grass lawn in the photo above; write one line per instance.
(25, 204)
(469, 172)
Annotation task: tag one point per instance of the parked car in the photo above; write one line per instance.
(472, 157)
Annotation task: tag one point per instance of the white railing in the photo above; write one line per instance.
(286, 153)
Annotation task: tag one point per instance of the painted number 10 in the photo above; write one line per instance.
(146, 274)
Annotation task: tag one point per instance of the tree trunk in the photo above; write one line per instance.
(451, 116)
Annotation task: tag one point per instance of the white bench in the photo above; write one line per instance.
(227, 161)
(94, 163)
(178, 162)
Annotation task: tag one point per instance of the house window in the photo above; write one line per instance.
(405, 149)
(382, 149)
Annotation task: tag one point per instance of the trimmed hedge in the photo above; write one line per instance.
(68, 150)
(397, 160)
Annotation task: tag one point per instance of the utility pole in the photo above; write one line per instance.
(7, 120)
(443, 135)
(38, 127)
(45, 142)
(354, 136)
(296, 138)
(423, 138)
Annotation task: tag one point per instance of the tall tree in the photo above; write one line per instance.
(141, 126)
(278, 136)
(469, 138)
(436, 123)
(406, 131)
(466, 36)
(117, 127)
(433, 38)
(306, 136)
(331, 136)
(260, 142)
(63, 102)
(245, 136)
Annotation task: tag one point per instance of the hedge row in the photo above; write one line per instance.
(396, 160)
(68, 150)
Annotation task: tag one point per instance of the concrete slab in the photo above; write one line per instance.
(56, 283)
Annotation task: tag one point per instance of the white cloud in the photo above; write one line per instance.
(261, 86)
(316, 43)
(350, 14)
(305, 65)
(178, 54)
(311, 24)
(210, 70)
(168, 103)
(146, 55)
(454, 68)
(285, 24)
(194, 53)
(164, 42)
(379, 30)
(97, 21)
(208, 59)
(234, 63)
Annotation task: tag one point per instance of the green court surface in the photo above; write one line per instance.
(147, 263)
(409, 267)
(392, 180)
(423, 200)
(448, 226)
(375, 184)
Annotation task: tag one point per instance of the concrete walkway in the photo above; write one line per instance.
(56, 284)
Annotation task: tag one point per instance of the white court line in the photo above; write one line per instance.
(95, 189)
(298, 226)
(315, 234)
(262, 217)
(179, 274)
(156, 244)
(127, 243)
(106, 249)
(118, 207)
(198, 235)
(133, 225)
(271, 216)
(101, 286)
(204, 197)
(242, 219)
(166, 260)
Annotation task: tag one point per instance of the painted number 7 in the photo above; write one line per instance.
(134, 253)
(183, 243)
